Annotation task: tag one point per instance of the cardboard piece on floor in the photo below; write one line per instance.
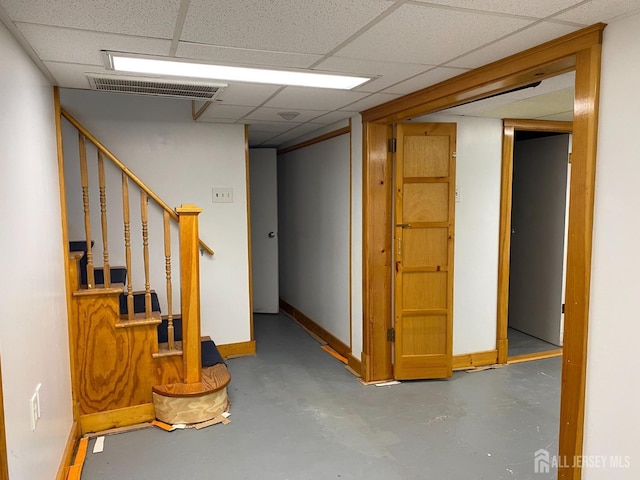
(334, 354)
(163, 426)
(387, 384)
(214, 421)
(98, 447)
(482, 369)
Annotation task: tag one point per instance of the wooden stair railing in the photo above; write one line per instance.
(145, 193)
(121, 374)
(134, 178)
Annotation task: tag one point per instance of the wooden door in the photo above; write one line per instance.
(424, 230)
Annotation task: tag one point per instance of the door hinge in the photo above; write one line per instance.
(392, 145)
(391, 334)
(563, 308)
(454, 154)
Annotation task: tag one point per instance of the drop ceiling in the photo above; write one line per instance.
(404, 45)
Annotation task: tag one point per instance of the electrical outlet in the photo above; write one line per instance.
(222, 194)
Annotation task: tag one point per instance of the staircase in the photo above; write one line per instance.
(131, 364)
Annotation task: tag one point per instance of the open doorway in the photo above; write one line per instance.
(537, 261)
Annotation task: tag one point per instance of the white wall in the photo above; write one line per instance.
(613, 384)
(33, 331)
(181, 161)
(313, 214)
(477, 218)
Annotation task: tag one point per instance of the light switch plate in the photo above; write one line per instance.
(222, 194)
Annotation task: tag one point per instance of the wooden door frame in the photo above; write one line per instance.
(510, 126)
(579, 51)
(4, 460)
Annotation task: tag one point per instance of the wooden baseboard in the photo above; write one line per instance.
(67, 455)
(240, 349)
(121, 417)
(527, 357)
(355, 364)
(477, 359)
(333, 341)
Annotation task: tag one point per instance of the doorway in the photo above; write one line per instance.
(538, 232)
(579, 51)
(263, 180)
(532, 269)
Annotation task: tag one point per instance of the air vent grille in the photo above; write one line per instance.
(157, 87)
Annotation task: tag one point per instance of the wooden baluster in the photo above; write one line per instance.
(127, 243)
(84, 179)
(103, 217)
(167, 263)
(145, 248)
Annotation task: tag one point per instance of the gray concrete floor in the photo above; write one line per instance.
(520, 343)
(298, 414)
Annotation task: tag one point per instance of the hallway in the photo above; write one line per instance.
(297, 414)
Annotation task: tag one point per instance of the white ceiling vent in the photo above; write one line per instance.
(194, 89)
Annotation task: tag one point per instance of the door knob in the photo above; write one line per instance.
(272, 234)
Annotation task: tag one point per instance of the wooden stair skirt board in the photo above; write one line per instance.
(193, 402)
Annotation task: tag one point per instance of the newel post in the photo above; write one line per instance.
(190, 291)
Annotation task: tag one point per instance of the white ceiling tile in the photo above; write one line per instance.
(370, 101)
(561, 82)
(333, 117)
(265, 114)
(297, 132)
(600, 11)
(82, 46)
(293, 98)
(530, 37)
(218, 110)
(542, 105)
(424, 80)
(388, 72)
(428, 35)
(247, 93)
(204, 119)
(562, 117)
(141, 18)
(257, 138)
(539, 8)
(231, 55)
(270, 127)
(71, 75)
(303, 26)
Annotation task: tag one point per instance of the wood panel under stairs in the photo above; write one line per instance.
(123, 371)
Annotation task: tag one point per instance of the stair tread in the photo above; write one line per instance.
(214, 378)
(163, 350)
(139, 319)
(99, 290)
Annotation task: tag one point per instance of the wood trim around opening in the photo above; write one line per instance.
(250, 260)
(506, 192)
(67, 456)
(580, 51)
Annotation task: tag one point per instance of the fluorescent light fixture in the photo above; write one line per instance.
(156, 66)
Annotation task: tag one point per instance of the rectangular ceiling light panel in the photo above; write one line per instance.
(175, 68)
